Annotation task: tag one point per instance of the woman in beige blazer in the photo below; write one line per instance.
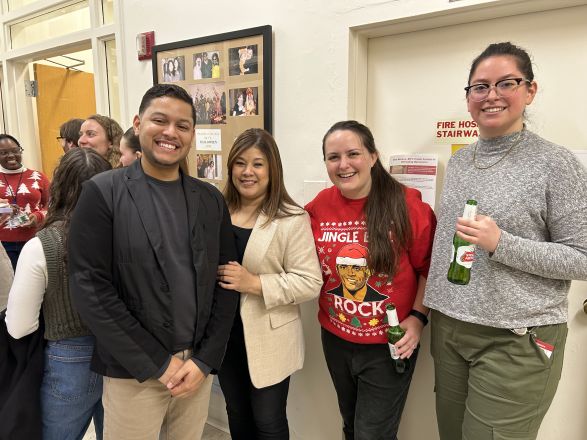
(278, 271)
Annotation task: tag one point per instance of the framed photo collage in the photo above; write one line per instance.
(229, 77)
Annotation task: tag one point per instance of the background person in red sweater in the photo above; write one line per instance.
(27, 191)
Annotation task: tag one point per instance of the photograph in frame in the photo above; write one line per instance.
(206, 65)
(244, 102)
(173, 69)
(209, 166)
(243, 60)
(210, 102)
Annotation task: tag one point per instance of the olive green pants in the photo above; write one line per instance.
(491, 384)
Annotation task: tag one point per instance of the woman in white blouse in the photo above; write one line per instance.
(70, 392)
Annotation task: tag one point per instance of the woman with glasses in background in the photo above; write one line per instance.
(498, 341)
(26, 191)
(69, 133)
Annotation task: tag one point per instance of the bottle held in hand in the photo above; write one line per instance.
(463, 252)
(394, 333)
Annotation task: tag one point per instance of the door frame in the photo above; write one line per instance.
(20, 114)
(359, 36)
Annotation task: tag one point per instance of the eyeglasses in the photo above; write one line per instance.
(504, 89)
(59, 138)
(6, 153)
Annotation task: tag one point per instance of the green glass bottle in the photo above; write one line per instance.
(394, 333)
(463, 252)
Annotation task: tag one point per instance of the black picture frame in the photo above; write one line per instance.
(194, 46)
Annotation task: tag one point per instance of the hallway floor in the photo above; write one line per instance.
(210, 433)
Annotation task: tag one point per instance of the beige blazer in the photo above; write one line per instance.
(6, 276)
(284, 256)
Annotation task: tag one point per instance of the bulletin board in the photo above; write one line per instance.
(229, 77)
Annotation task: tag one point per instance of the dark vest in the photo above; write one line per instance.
(61, 321)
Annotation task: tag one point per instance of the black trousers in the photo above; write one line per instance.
(371, 394)
(253, 413)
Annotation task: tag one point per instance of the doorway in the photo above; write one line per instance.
(64, 92)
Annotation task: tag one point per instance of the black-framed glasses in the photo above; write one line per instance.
(16, 152)
(504, 88)
(59, 138)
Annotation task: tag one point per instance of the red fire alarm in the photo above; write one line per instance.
(145, 43)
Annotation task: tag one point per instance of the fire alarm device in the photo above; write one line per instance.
(145, 43)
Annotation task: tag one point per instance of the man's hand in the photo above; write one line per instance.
(186, 380)
(172, 368)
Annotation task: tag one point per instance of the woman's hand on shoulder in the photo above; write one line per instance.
(233, 276)
(483, 232)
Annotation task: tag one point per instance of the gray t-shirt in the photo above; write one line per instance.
(537, 195)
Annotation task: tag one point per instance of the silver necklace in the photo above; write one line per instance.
(516, 142)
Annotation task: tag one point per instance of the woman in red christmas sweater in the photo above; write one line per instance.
(374, 239)
(27, 191)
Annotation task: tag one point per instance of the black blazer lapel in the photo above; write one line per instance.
(139, 190)
(198, 243)
(192, 199)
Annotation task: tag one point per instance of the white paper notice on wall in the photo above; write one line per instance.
(582, 155)
(208, 139)
(416, 170)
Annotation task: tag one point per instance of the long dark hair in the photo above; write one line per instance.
(132, 140)
(277, 203)
(75, 167)
(386, 212)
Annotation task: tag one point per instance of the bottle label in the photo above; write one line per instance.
(393, 351)
(470, 212)
(392, 318)
(465, 256)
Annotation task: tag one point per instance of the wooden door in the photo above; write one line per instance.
(62, 94)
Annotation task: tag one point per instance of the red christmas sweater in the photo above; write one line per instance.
(353, 299)
(29, 189)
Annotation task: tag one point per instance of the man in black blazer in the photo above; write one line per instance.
(143, 249)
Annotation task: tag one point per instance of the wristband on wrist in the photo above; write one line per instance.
(421, 316)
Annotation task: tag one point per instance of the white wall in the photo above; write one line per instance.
(311, 91)
(417, 78)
